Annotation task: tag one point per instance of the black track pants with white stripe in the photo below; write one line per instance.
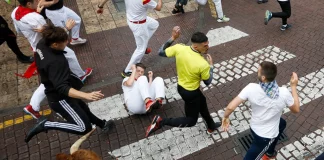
(261, 145)
(77, 115)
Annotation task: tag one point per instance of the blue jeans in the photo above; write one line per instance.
(320, 157)
(261, 145)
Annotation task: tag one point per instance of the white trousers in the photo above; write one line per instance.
(39, 94)
(218, 5)
(141, 91)
(142, 33)
(60, 16)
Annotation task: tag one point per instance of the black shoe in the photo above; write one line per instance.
(262, 1)
(126, 74)
(211, 130)
(26, 59)
(285, 27)
(175, 11)
(109, 125)
(181, 9)
(38, 128)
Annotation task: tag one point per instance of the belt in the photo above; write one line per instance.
(139, 22)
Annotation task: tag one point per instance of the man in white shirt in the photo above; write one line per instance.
(284, 15)
(59, 15)
(29, 22)
(267, 102)
(142, 95)
(142, 26)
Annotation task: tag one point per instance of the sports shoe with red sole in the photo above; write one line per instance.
(155, 125)
(148, 51)
(151, 104)
(211, 131)
(29, 110)
(88, 72)
(268, 157)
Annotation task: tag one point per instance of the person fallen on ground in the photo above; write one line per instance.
(62, 88)
(284, 15)
(6, 35)
(268, 101)
(142, 94)
(192, 68)
(178, 8)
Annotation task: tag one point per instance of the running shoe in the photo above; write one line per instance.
(88, 72)
(284, 27)
(29, 110)
(268, 16)
(78, 41)
(155, 125)
(38, 128)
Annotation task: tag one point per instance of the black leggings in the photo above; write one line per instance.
(195, 103)
(286, 12)
(77, 114)
(11, 40)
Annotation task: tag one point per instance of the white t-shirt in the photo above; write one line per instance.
(127, 90)
(136, 10)
(266, 112)
(26, 25)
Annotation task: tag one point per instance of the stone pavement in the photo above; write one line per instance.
(236, 47)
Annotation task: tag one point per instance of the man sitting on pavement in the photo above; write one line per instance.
(141, 95)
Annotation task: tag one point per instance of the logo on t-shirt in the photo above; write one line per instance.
(39, 52)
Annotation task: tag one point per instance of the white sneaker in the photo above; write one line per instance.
(78, 41)
(224, 19)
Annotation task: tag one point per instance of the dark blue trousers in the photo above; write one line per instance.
(261, 145)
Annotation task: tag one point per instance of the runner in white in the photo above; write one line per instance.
(59, 15)
(142, 26)
(218, 5)
(268, 101)
(141, 95)
(29, 23)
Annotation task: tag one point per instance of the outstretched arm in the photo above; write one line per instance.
(175, 35)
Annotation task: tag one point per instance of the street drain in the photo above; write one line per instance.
(119, 5)
(245, 139)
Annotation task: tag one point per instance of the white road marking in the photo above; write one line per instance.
(224, 34)
(228, 70)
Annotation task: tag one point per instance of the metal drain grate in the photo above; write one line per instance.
(120, 5)
(245, 139)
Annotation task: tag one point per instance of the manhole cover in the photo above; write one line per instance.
(245, 139)
(120, 5)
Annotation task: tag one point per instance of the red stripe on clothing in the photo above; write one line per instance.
(146, 1)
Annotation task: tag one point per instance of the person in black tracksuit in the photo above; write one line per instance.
(61, 88)
(284, 15)
(6, 35)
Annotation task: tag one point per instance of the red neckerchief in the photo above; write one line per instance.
(32, 69)
(22, 11)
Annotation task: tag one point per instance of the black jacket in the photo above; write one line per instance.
(55, 73)
(3, 28)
